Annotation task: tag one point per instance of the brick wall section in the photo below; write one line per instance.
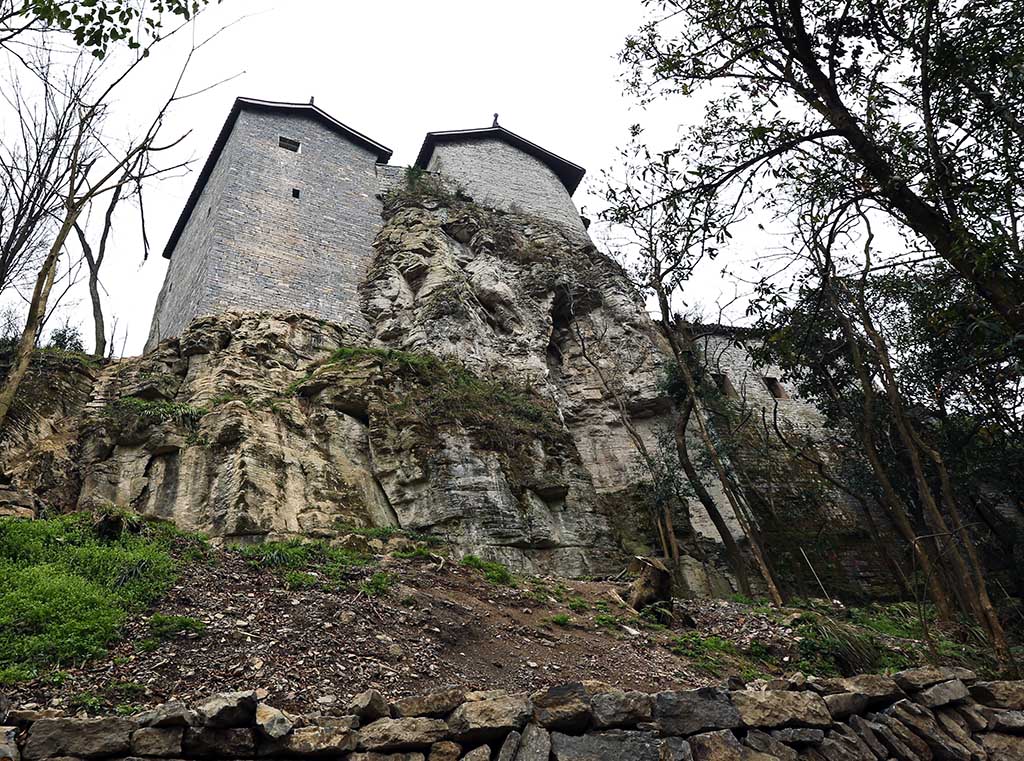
(496, 174)
(251, 245)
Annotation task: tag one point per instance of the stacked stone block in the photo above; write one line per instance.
(916, 715)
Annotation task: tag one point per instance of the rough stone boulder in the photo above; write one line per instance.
(401, 734)
(272, 723)
(619, 708)
(691, 711)
(919, 678)
(79, 738)
(229, 709)
(490, 717)
(1000, 694)
(313, 741)
(434, 704)
(160, 742)
(777, 708)
(606, 746)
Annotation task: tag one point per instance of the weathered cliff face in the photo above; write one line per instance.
(487, 406)
(517, 296)
(259, 426)
(38, 463)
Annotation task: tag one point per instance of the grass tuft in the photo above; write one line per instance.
(495, 573)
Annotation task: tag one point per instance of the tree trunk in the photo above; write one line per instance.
(691, 391)
(732, 550)
(897, 511)
(99, 330)
(970, 574)
(34, 321)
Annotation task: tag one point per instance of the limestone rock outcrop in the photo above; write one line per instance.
(486, 405)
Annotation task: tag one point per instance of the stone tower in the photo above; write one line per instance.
(286, 208)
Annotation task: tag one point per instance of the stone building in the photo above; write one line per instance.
(286, 208)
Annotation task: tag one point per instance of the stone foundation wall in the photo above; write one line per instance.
(921, 714)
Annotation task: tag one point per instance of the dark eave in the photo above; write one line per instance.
(569, 173)
(252, 104)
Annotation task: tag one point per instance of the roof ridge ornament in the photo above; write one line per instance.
(495, 123)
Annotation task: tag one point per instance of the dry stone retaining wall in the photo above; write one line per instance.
(917, 715)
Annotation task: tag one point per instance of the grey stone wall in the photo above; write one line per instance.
(390, 177)
(498, 175)
(921, 713)
(181, 297)
(251, 245)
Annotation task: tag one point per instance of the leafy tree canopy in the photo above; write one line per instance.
(98, 24)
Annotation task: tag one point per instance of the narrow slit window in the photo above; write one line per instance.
(296, 193)
(775, 388)
(725, 386)
(289, 145)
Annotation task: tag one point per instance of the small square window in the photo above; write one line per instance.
(296, 193)
(289, 145)
(775, 388)
(725, 386)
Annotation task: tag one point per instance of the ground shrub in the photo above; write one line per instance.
(299, 580)
(377, 585)
(495, 573)
(295, 554)
(829, 647)
(67, 589)
(164, 626)
(710, 652)
(607, 621)
(131, 409)
(578, 605)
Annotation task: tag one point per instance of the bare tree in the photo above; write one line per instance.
(34, 153)
(664, 242)
(89, 163)
(94, 257)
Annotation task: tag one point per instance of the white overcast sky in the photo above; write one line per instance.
(394, 71)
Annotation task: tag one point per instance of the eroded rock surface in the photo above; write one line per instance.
(486, 406)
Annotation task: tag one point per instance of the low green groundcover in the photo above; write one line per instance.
(67, 590)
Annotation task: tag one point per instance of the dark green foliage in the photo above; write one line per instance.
(426, 394)
(421, 185)
(561, 619)
(831, 647)
(295, 562)
(67, 338)
(495, 573)
(377, 585)
(164, 626)
(67, 591)
(96, 25)
(503, 414)
(578, 605)
(132, 409)
(295, 554)
(299, 580)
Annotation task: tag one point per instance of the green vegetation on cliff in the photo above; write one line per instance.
(427, 394)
